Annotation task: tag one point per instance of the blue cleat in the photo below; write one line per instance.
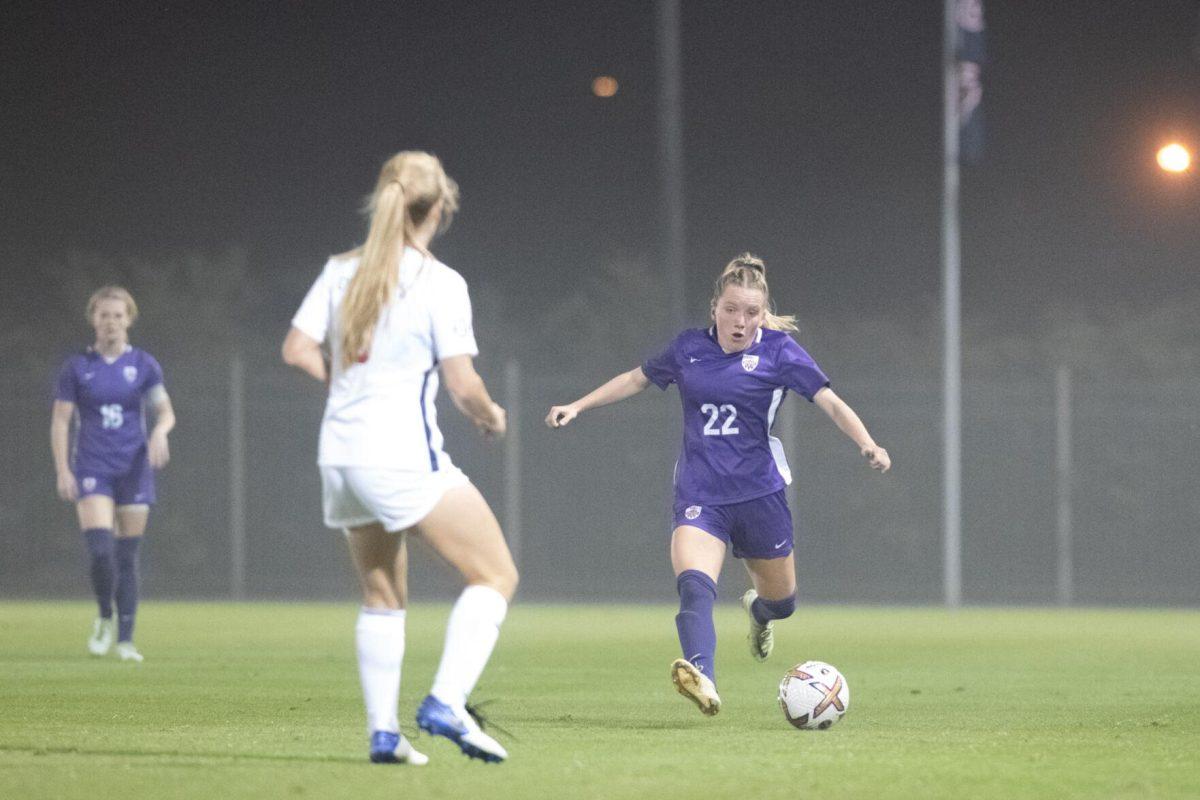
(394, 748)
(438, 719)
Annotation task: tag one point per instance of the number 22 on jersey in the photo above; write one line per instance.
(714, 415)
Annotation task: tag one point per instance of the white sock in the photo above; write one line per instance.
(379, 637)
(470, 637)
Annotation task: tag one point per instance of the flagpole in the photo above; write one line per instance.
(952, 322)
(670, 145)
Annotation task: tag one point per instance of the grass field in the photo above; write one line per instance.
(259, 700)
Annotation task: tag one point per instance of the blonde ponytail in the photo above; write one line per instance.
(749, 271)
(410, 185)
(375, 280)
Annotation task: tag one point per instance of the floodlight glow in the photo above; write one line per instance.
(604, 86)
(1174, 158)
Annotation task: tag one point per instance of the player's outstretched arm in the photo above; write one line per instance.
(848, 423)
(60, 434)
(304, 353)
(627, 384)
(470, 395)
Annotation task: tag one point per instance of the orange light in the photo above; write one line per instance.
(1174, 158)
(604, 86)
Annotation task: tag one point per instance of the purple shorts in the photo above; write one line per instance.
(133, 488)
(758, 528)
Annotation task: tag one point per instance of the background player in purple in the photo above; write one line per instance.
(109, 473)
(731, 473)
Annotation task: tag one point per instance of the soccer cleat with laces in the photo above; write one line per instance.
(761, 638)
(103, 632)
(127, 652)
(459, 726)
(695, 686)
(394, 748)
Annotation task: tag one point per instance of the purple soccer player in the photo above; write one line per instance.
(731, 473)
(110, 473)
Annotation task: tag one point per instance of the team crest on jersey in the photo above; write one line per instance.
(130, 374)
(749, 363)
(691, 512)
(89, 484)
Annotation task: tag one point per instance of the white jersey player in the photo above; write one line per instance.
(380, 418)
(393, 317)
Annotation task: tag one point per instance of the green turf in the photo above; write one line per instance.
(261, 700)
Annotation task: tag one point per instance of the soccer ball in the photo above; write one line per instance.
(813, 695)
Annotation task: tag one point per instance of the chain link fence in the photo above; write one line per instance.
(594, 498)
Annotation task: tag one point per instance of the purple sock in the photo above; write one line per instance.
(127, 586)
(697, 635)
(99, 543)
(766, 610)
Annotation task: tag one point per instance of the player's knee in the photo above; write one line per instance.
(779, 609)
(505, 581)
(99, 543)
(126, 549)
(695, 586)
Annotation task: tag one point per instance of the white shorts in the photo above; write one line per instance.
(397, 499)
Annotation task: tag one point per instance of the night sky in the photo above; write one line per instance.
(211, 157)
(812, 135)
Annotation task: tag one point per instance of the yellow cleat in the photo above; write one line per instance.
(695, 686)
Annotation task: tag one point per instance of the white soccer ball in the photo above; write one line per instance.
(813, 695)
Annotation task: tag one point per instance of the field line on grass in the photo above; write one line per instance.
(199, 755)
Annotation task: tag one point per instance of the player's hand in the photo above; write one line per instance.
(560, 416)
(159, 451)
(68, 489)
(877, 457)
(497, 426)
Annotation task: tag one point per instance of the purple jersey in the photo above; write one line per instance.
(108, 398)
(729, 404)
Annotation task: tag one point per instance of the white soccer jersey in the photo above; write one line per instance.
(381, 411)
